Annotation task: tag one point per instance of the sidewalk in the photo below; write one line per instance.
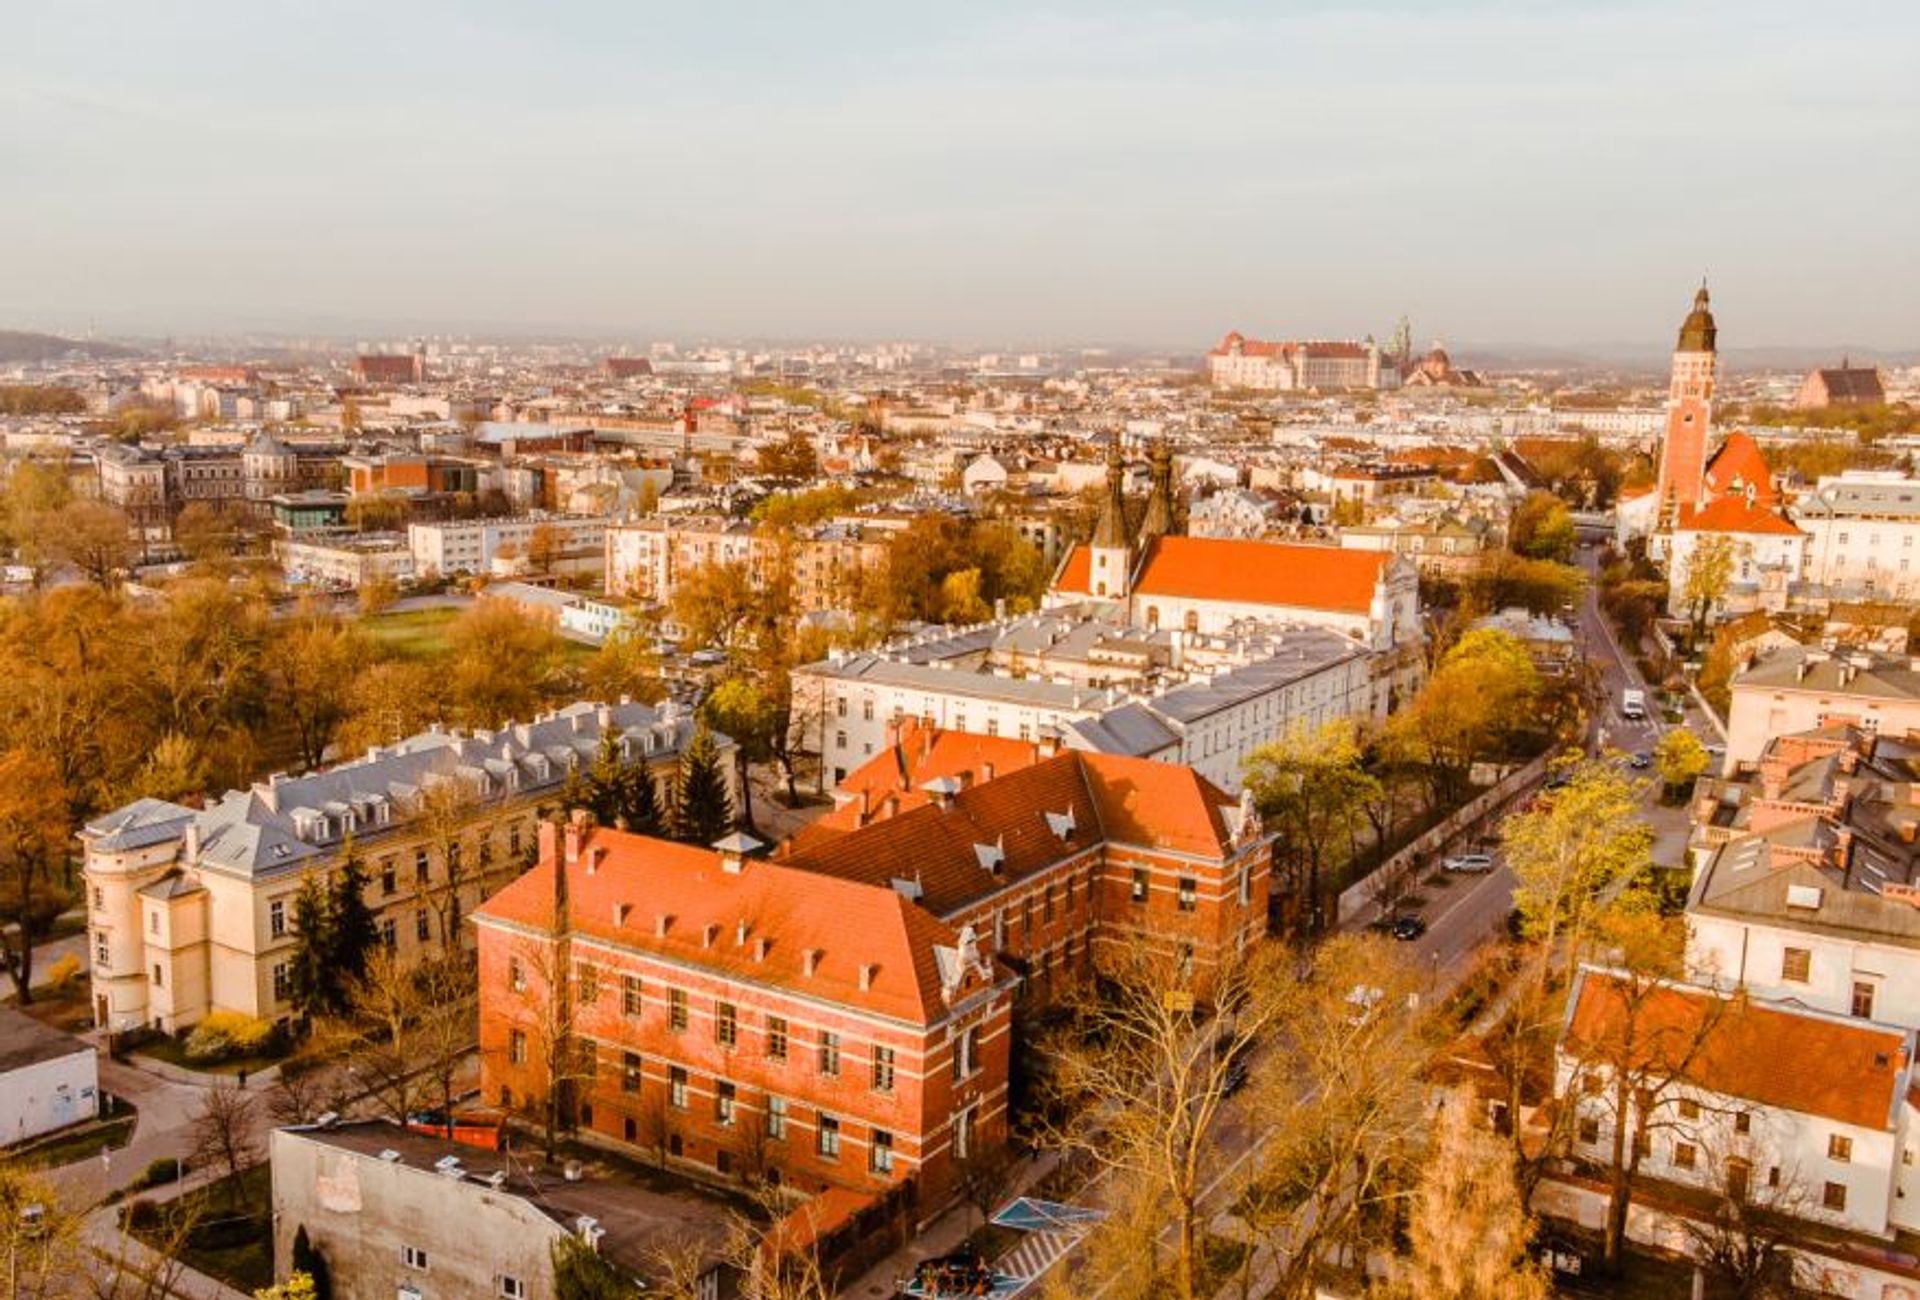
(942, 1237)
(121, 1252)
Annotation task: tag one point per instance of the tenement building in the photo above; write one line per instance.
(191, 910)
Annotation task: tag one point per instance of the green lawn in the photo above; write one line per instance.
(415, 634)
(82, 1142)
(174, 1052)
(239, 1254)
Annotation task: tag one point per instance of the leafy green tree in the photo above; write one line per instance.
(1705, 578)
(1477, 702)
(582, 1273)
(1680, 758)
(751, 717)
(1541, 528)
(703, 809)
(352, 931)
(1313, 788)
(313, 990)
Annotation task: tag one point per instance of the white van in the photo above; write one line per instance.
(1633, 704)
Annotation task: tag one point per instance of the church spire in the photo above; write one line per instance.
(1111, 530)
(1159, 521)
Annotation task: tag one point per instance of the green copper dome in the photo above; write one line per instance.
(1697, 331)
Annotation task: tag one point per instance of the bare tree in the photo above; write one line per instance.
(1145, 1077)
(406, 1030)
(223, 1136)
(444, 811)
(1742, 1244)
(985, 1176)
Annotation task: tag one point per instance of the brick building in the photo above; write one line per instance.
(743, 1015)
(842, 1017)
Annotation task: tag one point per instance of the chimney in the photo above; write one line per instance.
(594, 857)
(810, 961)
(549, 840)
(867, 972)
(662, 924)
(709, 934)
(1049, 741)
(576, 831)
(986, 773)
(866, 806)
(620, 911)
(190, 840)
(604, 716)
(740, 934)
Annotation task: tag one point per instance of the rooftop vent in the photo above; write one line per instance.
(810, 960)
(391, 1156)
(1061, 824)
(760, 947)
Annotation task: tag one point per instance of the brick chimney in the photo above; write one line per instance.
(575, 833)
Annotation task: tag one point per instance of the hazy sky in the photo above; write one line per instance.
(1551, 172)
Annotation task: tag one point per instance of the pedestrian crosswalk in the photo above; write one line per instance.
(1036, 1253)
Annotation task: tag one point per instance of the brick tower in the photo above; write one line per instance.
(1683, 452)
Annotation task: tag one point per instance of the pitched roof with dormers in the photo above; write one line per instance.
(893, 781)
(979, 837)
(1739, 467)
(716, 918)
(1787, 1058)
(1225, 569)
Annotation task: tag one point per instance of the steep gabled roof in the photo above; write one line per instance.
(851, 924)
(990, 834)
(1739, 465)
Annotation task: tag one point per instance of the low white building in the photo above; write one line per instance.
(48, 1079)
(1802, 1111)
(477, 546)
(344, 561)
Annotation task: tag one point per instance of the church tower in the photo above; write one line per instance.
(1159, 521)
(1683, 453)
(1110, 550)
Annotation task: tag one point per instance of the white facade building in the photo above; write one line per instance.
(48, 1079)
(475, 545)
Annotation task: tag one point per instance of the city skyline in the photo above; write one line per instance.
(1143, 177)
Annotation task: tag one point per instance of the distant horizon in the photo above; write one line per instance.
(1558, 171)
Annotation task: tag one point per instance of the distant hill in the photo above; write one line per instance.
(24, 345)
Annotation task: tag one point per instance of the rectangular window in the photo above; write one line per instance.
(1046, 906)
(276, 919)
(389, 934)
(1863, 999)
(676, 1009)
(776, 1038)
(827, 1138)
(677, 1088)
(630, 1072)
(829, 1054)
(389, 882)
(99, 899)
(963, 1049)
(413, 1257)
(100, 952)
(726, 1025)
(1684, 1155)
(1796, 965)
(1139, 894)
(422, 872)
(882, 1068)
(1839, 1147)
(1834, 1196)
(586, 982)
(880, 1153)
(517, 1046)
(516, 975)
(282, 981)
(723, 1098)
(422, 926)
(630, 995)
(1689, 1108)
(963, 1134)
(1589, 1131)
(1743, 1123)
(776, 1117)
(511, 1288)
(1188, 888)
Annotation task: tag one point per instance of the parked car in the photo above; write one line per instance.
(1641, 761)
(1469, 862)
(1408, 928)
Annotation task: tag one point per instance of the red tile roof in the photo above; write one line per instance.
(891, 780)
(1262, 573)
(1108, 798)
(1734, 515)
(1846, 1070)
(1740, 460)
(1076, 573)
(850, 923)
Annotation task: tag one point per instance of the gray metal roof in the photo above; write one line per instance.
(138, 825)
